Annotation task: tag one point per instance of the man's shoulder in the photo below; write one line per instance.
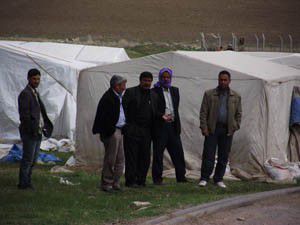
(25, 92)
(155, 88)
(132, 89)
(210, 91)
(130, 92)
(234, 93)
(175, 88)
(108, 94)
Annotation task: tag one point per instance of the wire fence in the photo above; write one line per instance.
(258, 42)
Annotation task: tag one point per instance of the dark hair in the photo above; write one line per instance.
(33, 72)
(146, 74)
(226, 73)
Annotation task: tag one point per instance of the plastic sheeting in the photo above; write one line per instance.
(63, 145)
(60, 65)
(15, 155)
(265, 87)
(281, 171)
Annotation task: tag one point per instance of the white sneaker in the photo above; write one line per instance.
(221, 184)
(202, 183)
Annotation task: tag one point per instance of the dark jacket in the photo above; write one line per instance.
(210, 108)
(30, 109)
(132, 105)
(107, 114)
(161, 106)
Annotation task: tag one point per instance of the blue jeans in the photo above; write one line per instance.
(221, 140)
(31, 148)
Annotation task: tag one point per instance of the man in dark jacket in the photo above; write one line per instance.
(34, 123)
(167, 128)
(109, 121)
(139, 106)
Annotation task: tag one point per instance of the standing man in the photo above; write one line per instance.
(220, 117)
(109, 121)
(139, 106)
(167, 129)
(34, 123)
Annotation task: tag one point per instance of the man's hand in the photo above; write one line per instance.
(205, 132)
(167, 118)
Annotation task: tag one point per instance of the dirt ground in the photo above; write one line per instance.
(276, 211)
(156, 20)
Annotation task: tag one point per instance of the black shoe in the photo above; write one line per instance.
(31, 187)
(184, 180)
(22, 187)
(158, 183)
(141, 185)
(132, 185)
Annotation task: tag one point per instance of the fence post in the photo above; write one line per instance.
(263, 41)
(281, 43)
(234, 41)
(291, 43)
(203, 41)
(220, 40)
(257, 41)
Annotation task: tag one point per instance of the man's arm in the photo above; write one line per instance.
(127, 103)
(238, 114)
(24, 111)
(203, 115)
(99, 116)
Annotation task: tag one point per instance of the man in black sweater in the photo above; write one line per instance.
(109, 121)
(34, 123)
(139, 107)
(167, 128)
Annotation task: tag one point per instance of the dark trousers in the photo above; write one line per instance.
(167, 138)
(31, 148)
(221, 140)
(137, 159)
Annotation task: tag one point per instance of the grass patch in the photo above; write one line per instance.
(155, 48)
(54, 203)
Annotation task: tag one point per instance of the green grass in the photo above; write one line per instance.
(154, 48)
(54, 203)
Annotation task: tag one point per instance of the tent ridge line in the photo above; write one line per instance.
(28, 50)
(61, 84)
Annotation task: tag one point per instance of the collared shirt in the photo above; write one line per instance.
(122, 120)
(34, 91)
(169, 104)
(223, 111)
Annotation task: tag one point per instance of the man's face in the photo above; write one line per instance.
(120, 88)
(34, 81)
(166, 77)
(224, 81)
(146, 82)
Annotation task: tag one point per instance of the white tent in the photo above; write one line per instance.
(60, 65)
(265, 87)
(284, 58)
